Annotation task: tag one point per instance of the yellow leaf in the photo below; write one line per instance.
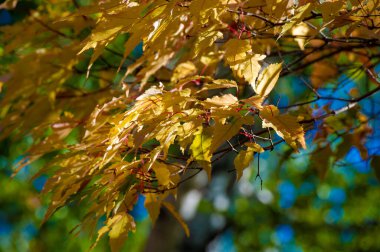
(98, 41)
(210, 59)
(238, 55)
(176, 215)
(224, 132)
(122, 223)
(330, 9)
(300, 31)
(162, 173)
(250, 68)
(200, 149)
(153, 205)
(236, 50)
(104, 34)
(151, 92)
(218, 84)
(302, 12)
(241, 161)
(254, 101)
(206, 39)
(267, 79)
(245, 157)
(198, 6)
(202, 10)
(221, 101)
(254, 147)
(118, 228)
(119, 224)
(183, 70)
(286, 126)
(101, 232)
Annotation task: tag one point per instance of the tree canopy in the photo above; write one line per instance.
(128, 98)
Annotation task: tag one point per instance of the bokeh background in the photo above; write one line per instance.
(293, 211)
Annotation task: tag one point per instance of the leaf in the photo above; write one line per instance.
(176, 215)
(330, 9)
(206, 39)
(162, 173)
(202, 10)
(221, 101)
(267, 80)
(218, 84)
(153, 205)
(300, 31)
(98, 41)
(302, 12)
(118, 228)
(245, 157)
(183, 70)
(122, 224)
(223, 132)
(250, 68)
(241, 161)
(254, 101)
(201, 149)
(286, 126)
(236, 51)
(154, 90)
(238, 55)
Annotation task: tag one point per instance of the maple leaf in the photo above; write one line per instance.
(236, 50)
(117, 228)
(267, 80)
(238, 55)
(224, 132)
(201, 149)
(245, 157)
(249, 68)
(329, 9)
(224, 100)
(286, 126)
(158, 99)
(162, 173)
(205, 39)
(300, 31)
(202, 10)
(183, 70)
(122, 224)
(302, 12)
